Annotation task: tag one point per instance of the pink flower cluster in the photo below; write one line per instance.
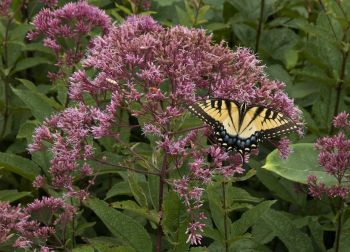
(68, 133)
(154, 73)
(5, 7)
(334, 157)
(30, 227)
(73, 22)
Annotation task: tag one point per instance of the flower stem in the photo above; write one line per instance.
(339, 227)
(259, 28)
(73, 227)
(225, 214)
(6, 81)
(339, 87)
(162, 178)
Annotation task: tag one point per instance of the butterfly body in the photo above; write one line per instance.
(241, 127)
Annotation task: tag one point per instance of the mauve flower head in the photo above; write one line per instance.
(68, 133)
(15, 221)
(334, 157)
(154, 73)
(341, 120)
(284, 148)
(72, 23)
(43, 210)
(5, 7)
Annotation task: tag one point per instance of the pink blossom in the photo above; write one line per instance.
(39, 182)
(71, 24)
(153, 73)
(283, 148)
(193, 233)
(334, 157)
(341, 120)
(149, 128)
(15, 221)
(5, 7)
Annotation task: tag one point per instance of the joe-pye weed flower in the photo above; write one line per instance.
(154, 73)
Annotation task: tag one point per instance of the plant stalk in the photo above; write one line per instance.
(339, 86)
(6, 81)
(339, 227)
(162, 178)
(259, 28)
(225, 214)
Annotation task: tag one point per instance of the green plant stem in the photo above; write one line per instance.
(6, 80)
(225, 214)
(339, 87)
(259, 28)
(73, 226)
(329, 20)
(197, 13)
(160, 201)
(339, 227)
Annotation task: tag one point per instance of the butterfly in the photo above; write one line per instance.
(240, 127)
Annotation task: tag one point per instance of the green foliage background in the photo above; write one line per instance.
(304, 43)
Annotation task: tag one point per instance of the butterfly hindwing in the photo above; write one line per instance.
(240, 127)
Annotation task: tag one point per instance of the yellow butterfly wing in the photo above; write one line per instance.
(240, 127)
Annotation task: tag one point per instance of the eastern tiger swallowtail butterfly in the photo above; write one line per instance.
(240, 127)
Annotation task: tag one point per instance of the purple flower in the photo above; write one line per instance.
(39, 182)
(71, 24)
(153, 73)
(50, 206)
(5, 7)
(334, 157)
(17, 222)
(283, 148)
(341, 120)
(193, 232)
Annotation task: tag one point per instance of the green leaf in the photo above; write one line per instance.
(26, 130)
(344, 243)
(316, 231)
(174, 221)
(167, 2)
(301, 163)
(19, 165)
(172, 210)
(240, 195)
(137, 190)
(104, 248)
(183, 17)
(84, 248)
(36, 101)
(153, 188)
(12, 195)
(131, 206)
(248, 244)
(130, 232)
(29, 63)
(38, 47)
(249, 218)
(216, 205)
(285, 230)
(121, 188)
(281, 187)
